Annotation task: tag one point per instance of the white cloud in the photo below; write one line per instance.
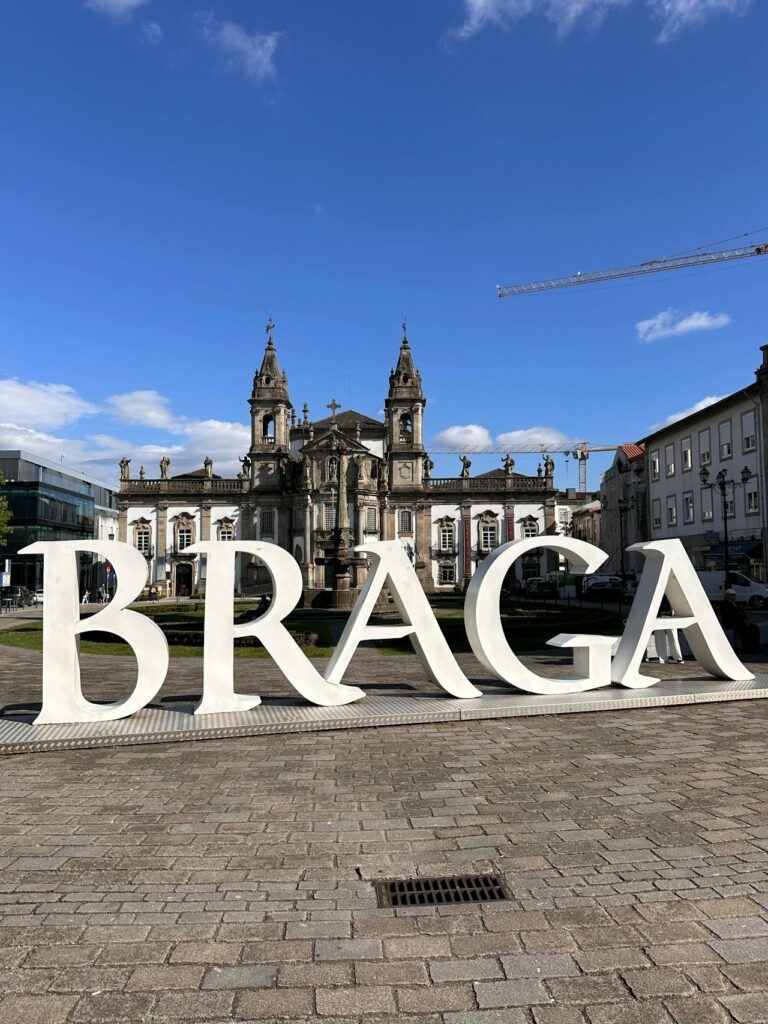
(145, 408)
(678, 15)
(120, 10)
(703, 404)
(252, 54)
(675, 15)
(472, 435)
(671, 323)
(151, 32)
(545, 436)
(33, 404)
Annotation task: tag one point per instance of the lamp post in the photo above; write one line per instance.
(723, 483)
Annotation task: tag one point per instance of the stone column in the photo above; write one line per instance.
(509, 521)
(466, 541)
(423, 542)
(122, 521)
(161, 555)
(205, 521)
(308, 569)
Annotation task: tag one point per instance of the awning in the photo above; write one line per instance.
(737, 549)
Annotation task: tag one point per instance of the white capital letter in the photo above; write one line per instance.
(391, 563)
(486, 635)
(220, 630)
(63, 699)
(668, 570)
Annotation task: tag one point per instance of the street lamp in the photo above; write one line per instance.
(723, 483)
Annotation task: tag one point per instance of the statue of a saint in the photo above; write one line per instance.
(125, 469)
(428, 467)
(142, 474)
(465, 466)
(509, 465)
(208, 467)
(165, 463)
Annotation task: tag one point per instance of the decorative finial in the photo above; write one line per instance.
(305, 410)
(269, 329)
(405, 329)
(333, 405)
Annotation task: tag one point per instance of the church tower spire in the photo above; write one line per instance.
(404, 408)
(269, 402)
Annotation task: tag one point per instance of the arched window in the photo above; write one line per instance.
(268, 429)
(529, 528)
(406, 427)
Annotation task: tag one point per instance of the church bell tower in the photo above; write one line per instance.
(404, 408)
(270, 415)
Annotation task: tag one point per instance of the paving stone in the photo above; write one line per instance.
(683, 953)
(521, 992)
(42, 1009)
(529, 966)
(348, 949)
(204, 1006)
(505, 1016)
(742, 951)
(584, 990)
(465, 970)
(266, 1003)
(657, 981)
(753, 977)
(697, 1010)
(159, 979)
(351, 1002)
(557, 1015)
(243, 976)
(113, 1006)
(747, 1009)
(435, 999)
(629, 1013)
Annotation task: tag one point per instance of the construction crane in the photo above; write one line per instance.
(579, 450)
(696, 259)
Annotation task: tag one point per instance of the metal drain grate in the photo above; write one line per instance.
(431, 892)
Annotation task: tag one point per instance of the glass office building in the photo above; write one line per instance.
(49, 502)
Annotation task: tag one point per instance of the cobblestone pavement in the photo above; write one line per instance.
(231, 880)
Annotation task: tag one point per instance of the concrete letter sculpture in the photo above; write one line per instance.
(486, 635)
(391, 564)
(220, 631)
(63, 699)
(668, 570)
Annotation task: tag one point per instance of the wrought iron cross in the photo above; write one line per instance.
(269, 328)
(333, 405)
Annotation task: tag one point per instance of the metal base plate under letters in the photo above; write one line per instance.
(159, 725)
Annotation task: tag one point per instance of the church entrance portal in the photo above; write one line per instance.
(183, 579)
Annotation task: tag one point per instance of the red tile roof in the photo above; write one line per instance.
(633, 451)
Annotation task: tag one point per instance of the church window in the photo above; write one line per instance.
(446, 574)
(298, 519)
(406, 520)
(406, 427)
(268, 429)
(226, 531)
(530, 529)
(371, 521)
(267, 522)
(446, 538)
(185, 537)
(329, 516)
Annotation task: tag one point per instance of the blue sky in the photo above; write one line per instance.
(173, 173)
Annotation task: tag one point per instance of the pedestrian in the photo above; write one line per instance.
(86, 597)
(734, 621)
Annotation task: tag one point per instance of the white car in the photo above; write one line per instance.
(37, 597)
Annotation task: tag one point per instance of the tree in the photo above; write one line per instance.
(5, 514)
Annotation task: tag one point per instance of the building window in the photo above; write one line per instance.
(706, 504)
(143, 540)
(688, 507)
(371, 519)
(748, 432)
(656, 513)
(672, 510)
(406, 428)
(185, 537)
(530, 530)
(669, 460)
(226, 531)
(446, 538)
(686, 455)
(267, 522)
(329, 517)
(406, 520)
(298, 519)
(724, 434)
(730, 507)
(488, 534)
(705, 447)
(753, 502)
(655, 466)
(446, 575)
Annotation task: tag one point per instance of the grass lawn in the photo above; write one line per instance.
(527, 628)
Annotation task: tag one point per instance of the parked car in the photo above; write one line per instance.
(749, 591)
(37, 597)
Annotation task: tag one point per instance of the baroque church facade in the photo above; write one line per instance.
(319, 488)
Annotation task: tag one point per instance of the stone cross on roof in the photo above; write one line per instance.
(333, 405)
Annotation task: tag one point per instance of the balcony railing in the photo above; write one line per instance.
(187, 486)
(488, 484)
